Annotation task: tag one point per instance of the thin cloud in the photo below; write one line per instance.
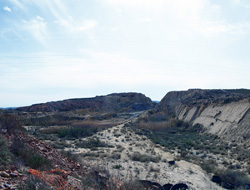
(79, 26)
(6, 8)
(17, 4)
(37, 27)
(145, 20)
(87, 25)
(192, 17)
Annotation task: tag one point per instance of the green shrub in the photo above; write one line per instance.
(5, 155)
(30, 157)
(34, 160)
(234, 177)
(117, 166)
(209, 166)
(76, 132)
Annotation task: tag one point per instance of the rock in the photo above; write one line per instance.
(1, 185)
(225, 113)
(7, 185)
(4, 174)
(13, 175)
(247, 186)
(150, 185)
(167, 186)
(172, 162)
(4, 130)
(216, 179)
(228, 185)
(14, 187)
(181, 186)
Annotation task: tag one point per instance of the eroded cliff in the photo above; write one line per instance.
(225, 113)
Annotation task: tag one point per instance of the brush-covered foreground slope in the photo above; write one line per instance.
(225, 113)
(117, 102)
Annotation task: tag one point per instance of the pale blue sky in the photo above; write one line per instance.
(59, 49)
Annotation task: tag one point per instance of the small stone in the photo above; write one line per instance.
(7, 185)
(13, 175)
(1, 185)
(14, 187)
(4, 174)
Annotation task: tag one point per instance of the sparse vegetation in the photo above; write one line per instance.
(5, 155)
(144, 158)
(233, 179)
(173, 133)
(91, 143)
(71, 132)
(29, 156)
(70, 155)
(118, 166)
(33, 183)
(191, 144)
(210, 166)
(10, 122)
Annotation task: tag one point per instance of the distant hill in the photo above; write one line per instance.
(115, 102)
(9, 108)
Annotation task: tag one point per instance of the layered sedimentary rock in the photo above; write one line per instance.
(225, 113)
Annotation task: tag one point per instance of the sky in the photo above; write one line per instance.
(58, 49)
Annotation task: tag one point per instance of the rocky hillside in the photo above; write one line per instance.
(222, 112)
(117, 102)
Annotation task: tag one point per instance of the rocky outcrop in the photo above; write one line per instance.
(116, 102)
(57, 159)
(225, 113)
(55, 179)
(9, 179)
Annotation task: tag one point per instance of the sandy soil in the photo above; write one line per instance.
(124, 143)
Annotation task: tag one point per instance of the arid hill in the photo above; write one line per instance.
(117, 102)
(225, 113)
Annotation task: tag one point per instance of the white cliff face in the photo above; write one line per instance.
(187, 114)
(229, 120)
(231, 113)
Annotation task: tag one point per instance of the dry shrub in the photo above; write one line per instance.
(33, 183)
(97, 124)
(144, 158)
(10, 122)
(155, 126)
(100, 178)
(51, 130)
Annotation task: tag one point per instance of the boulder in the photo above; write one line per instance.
(172, 162)
(216, 179)
(247, 186)
(167, 186)
(150, 185)
(179, 186)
